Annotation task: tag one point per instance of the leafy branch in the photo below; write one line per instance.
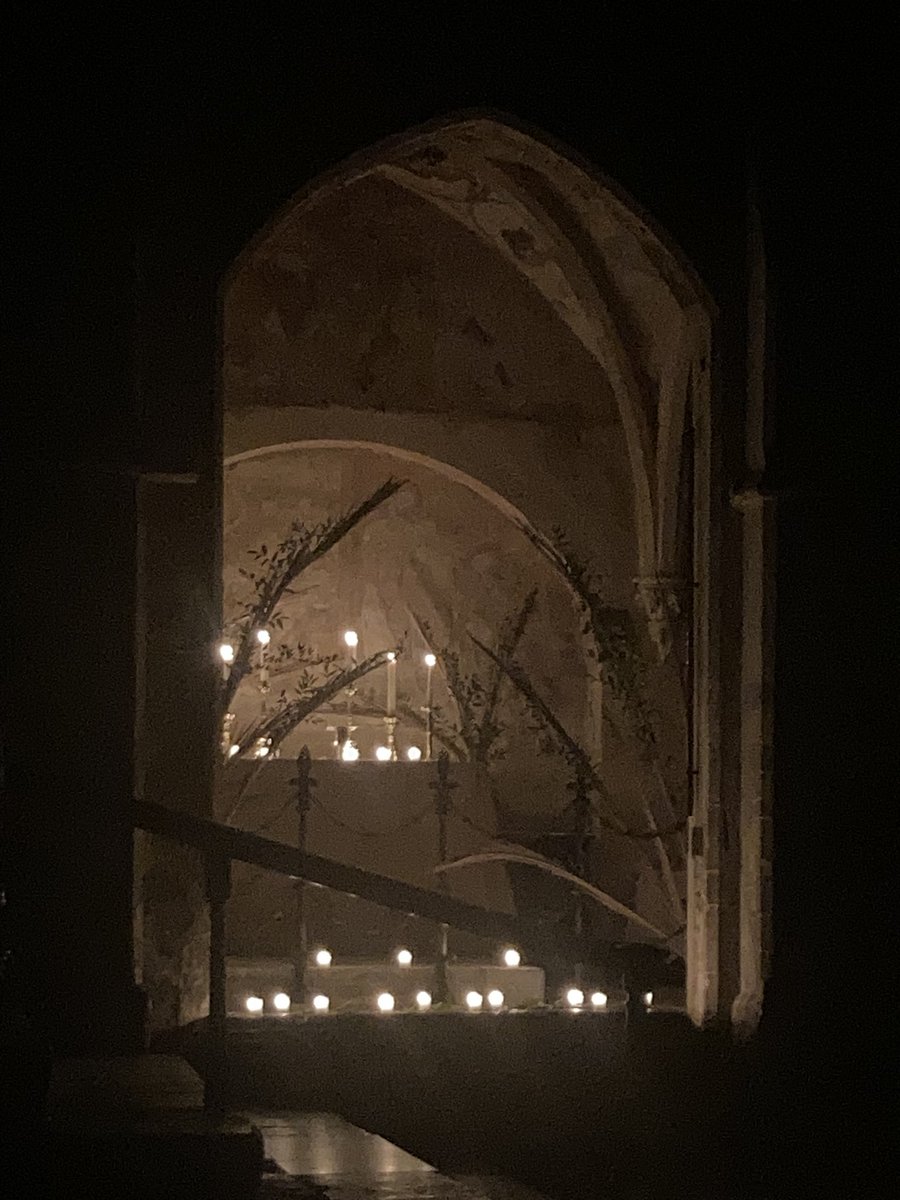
(274, 728)
(572, 751)
(303, 546)
(477, 700)
(614, 637)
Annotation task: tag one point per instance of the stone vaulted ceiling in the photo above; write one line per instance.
(380, 300)
(472, 270)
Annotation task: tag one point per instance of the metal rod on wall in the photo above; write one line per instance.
(305, 784)
(218, 889)
(442, 789)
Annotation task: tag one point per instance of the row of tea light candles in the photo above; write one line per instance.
(385, 1001)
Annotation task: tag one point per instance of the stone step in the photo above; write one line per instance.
(95, 1092)
(166, 1155)
(136, 1125)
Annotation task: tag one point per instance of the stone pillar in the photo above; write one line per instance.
(69, 762)
(702, 935)
(179, 585)
(174, 737)
(757, 592)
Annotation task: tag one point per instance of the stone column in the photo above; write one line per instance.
(179, 586)
(757, 596)
(69, 763)
(702, 935)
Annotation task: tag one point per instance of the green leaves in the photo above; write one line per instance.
(302, 546)
(586, 774)
(615, 644)
(477, 699)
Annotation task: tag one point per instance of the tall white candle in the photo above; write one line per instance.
(430, 661)
(391, 683)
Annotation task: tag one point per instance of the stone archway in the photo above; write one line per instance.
(471, 292)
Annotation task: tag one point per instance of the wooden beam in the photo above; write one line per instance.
(542, 942)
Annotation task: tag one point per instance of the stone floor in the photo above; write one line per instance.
(320, 1156)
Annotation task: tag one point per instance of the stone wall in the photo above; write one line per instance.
(175, 935)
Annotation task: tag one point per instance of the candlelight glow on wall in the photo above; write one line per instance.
(495, 998)
(349, 752)
(474, 1000)
(383, 753)
(511, 957)
(404, 957)
(320, 1003)
(226, 652)
(574, 997)
(385, 1002)
(351, 639)
(599, 999)
(423, 1000)
(323, 958)
(281, 1001)
(254, 1004)
(413, 753)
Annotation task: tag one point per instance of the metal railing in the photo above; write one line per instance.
(221, 845)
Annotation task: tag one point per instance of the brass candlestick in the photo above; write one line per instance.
(390, 724)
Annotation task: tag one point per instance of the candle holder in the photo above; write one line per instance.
(343, 735)
(429, 730)
(430, 661)
(390, 724)
(227, 726)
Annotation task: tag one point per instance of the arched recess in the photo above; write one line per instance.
(317, 478)
(401, 456)
(609, 414)
(471, 542)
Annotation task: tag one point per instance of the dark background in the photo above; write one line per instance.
(120, 123)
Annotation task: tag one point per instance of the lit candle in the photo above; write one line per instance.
(226, 653)
(430, 662)
(391, 683)
(263, 637)
(351, 641)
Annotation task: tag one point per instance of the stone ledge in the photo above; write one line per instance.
(138, 1125)
(87, 1092)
